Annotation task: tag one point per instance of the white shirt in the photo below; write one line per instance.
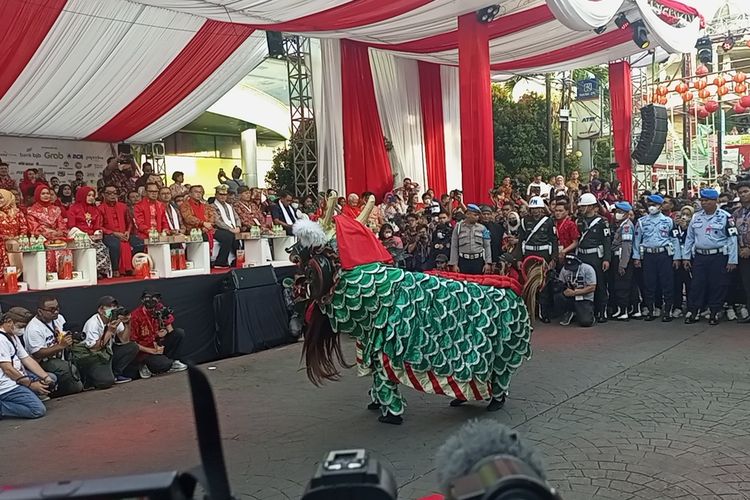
(39, 336)
(13, 353)
(94, 329)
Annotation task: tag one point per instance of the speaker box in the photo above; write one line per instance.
(251, 277)
(654, 129)
(275, 42)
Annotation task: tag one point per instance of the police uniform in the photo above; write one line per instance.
(470, 246)
(595, 248)
(621, 285)
(711, 242)
(538, 238)
(657, 246)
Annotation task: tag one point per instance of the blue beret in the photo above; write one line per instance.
(472, 208)
(709, 194)
(655, 198)
(624, 206)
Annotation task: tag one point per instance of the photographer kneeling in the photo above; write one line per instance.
(578, 286)
(151, 327)
(106, 351)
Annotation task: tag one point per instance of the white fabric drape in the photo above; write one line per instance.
(452, 127)
(397, 93)
(235, 68)
(326, 69)
(96, 59)
(583, 15)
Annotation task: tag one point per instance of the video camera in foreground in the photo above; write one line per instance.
(484, 460)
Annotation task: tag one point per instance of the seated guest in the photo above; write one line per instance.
(47, 341)
(247, 210)
(283, 214)
(352, 208)
(151, 327)
(106, 352)
(579, 281)
(117, 228)
(149, 214)
(45, 219)
(65, 195)
(6, 182)
(178, 188)
(85, 215)
(197, 214)
(12, 225)
(29, 186)
(227, 226)
(23, 383)
(174, 219)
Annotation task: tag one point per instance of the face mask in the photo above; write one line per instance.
(387, 235)
(295, 206)
(108, 312)
(653, 210)
(619, 216)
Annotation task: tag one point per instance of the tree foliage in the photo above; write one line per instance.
(281, 175)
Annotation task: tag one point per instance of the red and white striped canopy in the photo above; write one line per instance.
(112, 70)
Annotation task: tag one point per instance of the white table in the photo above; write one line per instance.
(258, 250)
(195, 251)
(280, 244)
(35, 270)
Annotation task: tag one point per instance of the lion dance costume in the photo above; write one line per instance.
(438, 334)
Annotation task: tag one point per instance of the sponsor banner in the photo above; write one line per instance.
(55, 157)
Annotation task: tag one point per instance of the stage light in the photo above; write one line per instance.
(705, 50)
(600, 30)
(622, 21)
(728, 43)
(488, 13)
(640, 35)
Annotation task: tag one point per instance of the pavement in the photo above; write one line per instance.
(622, 410)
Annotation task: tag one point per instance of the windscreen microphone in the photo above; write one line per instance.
(487, 460)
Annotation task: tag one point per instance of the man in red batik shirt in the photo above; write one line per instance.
(567, 231)
(117, 227)
(149, 213)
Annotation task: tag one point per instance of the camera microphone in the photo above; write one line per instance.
(489, 461)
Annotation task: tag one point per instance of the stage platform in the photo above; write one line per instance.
(257, 319)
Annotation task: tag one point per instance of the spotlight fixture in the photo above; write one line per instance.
(600, 30)
(622, 21)
(728, 43)
(640, 35)
(488, 13)
(705, 50)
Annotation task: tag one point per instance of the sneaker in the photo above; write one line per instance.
(744, 313)
(705, 314)
(177, 366)
(677, 313)
(637, 314)
(731, 315)
(567, 319)
(657, 312)
(623, 317)
(122, 379)
(144, 372)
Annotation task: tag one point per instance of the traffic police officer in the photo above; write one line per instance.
(471, 252)
(657, 249)
(711, 242)
(595, 248)
(538, 237)
(621, 271)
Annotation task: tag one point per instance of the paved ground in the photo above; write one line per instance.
(621, 411)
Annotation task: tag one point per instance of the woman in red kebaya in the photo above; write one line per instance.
(12, 225)
(84, 215)
(45, 219)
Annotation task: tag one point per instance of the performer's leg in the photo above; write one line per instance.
(386, 393)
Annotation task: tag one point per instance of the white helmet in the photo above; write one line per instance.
(537, 202)
(587, 199)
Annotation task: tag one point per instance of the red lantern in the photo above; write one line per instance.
(723, 90)
(739, 77)
(711, 106)
(700, 84)
(703, 113)
(740, 88)
(739, 109)
(661, 90)
(704, 93)
(719, 81)
(701, 70)
(681, 88)
(745, 101)
(687, 96)
(663, 100)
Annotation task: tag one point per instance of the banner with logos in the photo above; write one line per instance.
(55, 157)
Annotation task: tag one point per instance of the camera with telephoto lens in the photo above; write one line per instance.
(163, 313)
(78, 336)
(118, 312)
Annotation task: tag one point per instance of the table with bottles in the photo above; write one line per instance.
(76, 263)
(173, 259)
(264, 248)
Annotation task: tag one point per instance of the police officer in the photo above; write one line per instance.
(595, 248)
(471, 252)
(538, 237)
(497, 231)
(657, 249)
(711, 242)
(621, 270)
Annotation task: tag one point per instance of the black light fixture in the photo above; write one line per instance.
(622, 21)
(487, 14)
(600, 30)
(640, 35)
(705, 50)
(728, 43)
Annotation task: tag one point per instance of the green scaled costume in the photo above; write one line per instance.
(436, 335)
